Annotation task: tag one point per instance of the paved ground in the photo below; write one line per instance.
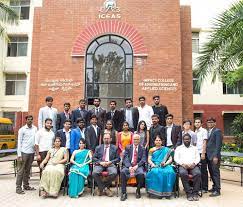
(232, 195)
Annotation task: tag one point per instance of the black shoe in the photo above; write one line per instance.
(123, 197)
(211, 190)
(195, 198)
(138, 194)
(204, 191)
(20, 191)
(214, 194)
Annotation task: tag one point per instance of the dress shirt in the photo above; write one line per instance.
(44, 139)
(67, 134)
(134, 147)
(82, 133)
(168, 135)
(186, 155)
(129, 117)
(145, 114)
(193, 135)
(201, 136)
(26, 140)
(95, 128)
(107, 155)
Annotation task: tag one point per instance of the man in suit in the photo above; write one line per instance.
(47, 112)
(80, 112)
(160, 109)
(130, 114)
(115, 115)
(213, 151)
(133, 166)
(61, 117)
(155, 129)
(173, 132)
(92, 134)
(99, 112)
(105, 158)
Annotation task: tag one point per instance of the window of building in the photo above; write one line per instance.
(237, 89)
(228, 120)
(195, 42)
(10, 115)
(15, 84)
(21, 7)
(196, 88)
(17, 46)
(109, 70)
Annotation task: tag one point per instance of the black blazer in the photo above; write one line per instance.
(135, 116)
(101, 117)
(214, 144)
(77, 114)
(141, 160)
(117, 119)
(62, 135)
(176, 135)
(92, 140)
(61, 118)
(113, 154)
(161, 111)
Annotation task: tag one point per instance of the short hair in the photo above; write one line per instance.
(93, 116)
(198, 118)
(187, 121)
(155, 115)
(112, 101)
(48, 119)
(128, 99)
(186, 135)
(49, 98)
(68, 120)
(80, 120)
(156, 96)
(97, 99)
(82, 140)
(169, 115)
(211, 119)
(66, 104)
(141, 97)
(29, 116)
(106, 134)
(82, 100)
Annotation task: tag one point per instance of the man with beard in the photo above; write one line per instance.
(160, 109)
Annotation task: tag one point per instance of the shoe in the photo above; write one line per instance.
(20, 191)
(190, 198)
(29, 188)
(108, 192)
(214, 194)
(123, 197)
(211, 190)
(98, 192)
(138, 194)
(195, 198)
(204, 191)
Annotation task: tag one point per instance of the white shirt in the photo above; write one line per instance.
(168, 135)
(186, 155)
(202, 135)
(134, 151)
(67, 134)
(145, 114)
(26, 140)
(95, 128)
(47, 112)
(107, 155)
(44, 139)
(129, 117)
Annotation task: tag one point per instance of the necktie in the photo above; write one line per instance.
(135, 156)
(112, 114)
(104, 155)
(96, 111)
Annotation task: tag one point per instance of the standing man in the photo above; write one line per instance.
(47, 112)
(155, 129)
(25, 153)
(160, 109)
(130, 114)
(80, 112)
(44, 141)
(187, 124)
(145, 112)
(214, 155)
(172, 132)
(61, 117)
(99, 113)
(202, 137)
(115, 116)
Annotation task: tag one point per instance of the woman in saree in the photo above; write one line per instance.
(161, 178)
(53, 173)
(80, 170)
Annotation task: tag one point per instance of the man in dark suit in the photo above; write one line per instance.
(213, 151)
(61, 117)
(99, 112)
(80, 112)
(155, 129)
(130, 114)
(115, 115)
(92, 134)
(105, 159)
(173, 133)
(160, 109)
(133, 166)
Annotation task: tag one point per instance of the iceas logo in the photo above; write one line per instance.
(109, 5)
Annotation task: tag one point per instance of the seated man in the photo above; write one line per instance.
(105, 158)
(187, 157)
(133, 166)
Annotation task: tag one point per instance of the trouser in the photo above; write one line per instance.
(196, 174)
(43, 156)
(24, 168)
(214, 174)
(112, 173)
(204, 173)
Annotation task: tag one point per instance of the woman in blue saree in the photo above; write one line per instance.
(79, 170)
(161, 177)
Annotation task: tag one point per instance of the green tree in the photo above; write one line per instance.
(7, 16)
(237, 129)
(222, 55)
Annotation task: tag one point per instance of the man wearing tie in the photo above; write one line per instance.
(61, 117)
(133, 166)
(105, 159)
(80, 112)
(115, 116)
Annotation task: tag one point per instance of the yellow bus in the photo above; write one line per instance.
(7, 137)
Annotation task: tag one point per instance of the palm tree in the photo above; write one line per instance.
(7, 16)
(222, 55)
